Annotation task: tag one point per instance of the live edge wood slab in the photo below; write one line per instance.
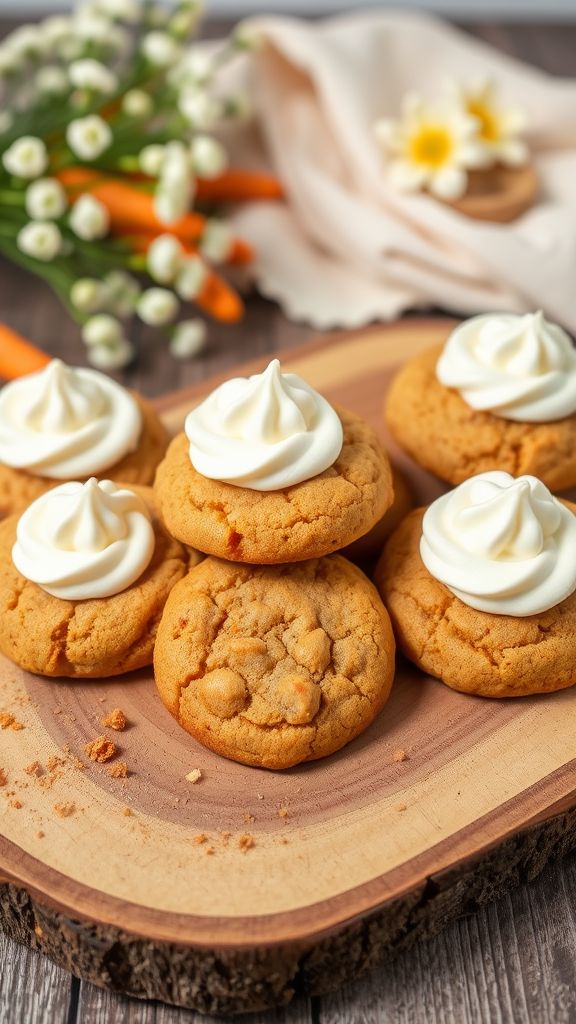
(353, 858)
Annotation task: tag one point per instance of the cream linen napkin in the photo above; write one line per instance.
(346, 248)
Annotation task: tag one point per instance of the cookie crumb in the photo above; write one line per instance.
(245, 842)
(65, 808)
(119, 770)
(8, 721)
(200, 838)
(126, 812)
(249, 818)
(194, 776)
(3, 777)
(101, 749)
(400, 807)
(40, 834)
(225, 836)
(16, 804)
(210, 850)
(399, 755)
(259, 796)
(283, 812)
(34, 768)
(54, 762)
(115, 719)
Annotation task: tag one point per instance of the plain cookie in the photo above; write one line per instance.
(274, 665)
(18, 488)
(94, 638)
(472, 651)
(444, 435)
(307, 520)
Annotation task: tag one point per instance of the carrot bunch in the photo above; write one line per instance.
(113, 182)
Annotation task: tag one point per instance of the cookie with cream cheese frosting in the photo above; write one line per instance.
(501, 394)
(99, 566)
(291, 478)
(67, 423)
(481, 587)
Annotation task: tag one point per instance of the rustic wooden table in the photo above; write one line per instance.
(513, 962)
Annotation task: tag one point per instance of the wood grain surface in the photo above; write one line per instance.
(510, 962)
(336, 840)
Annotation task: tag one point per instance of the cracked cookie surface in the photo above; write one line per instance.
(101, 637)
(469, 650)
(18, 489)
(444, 435)
(307, 520)
(274, 665)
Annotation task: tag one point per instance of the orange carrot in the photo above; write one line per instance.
(220, 300)
(18, 356)
(236, 186)
(129, 209)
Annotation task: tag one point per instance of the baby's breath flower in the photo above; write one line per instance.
(157, 306)
(89, 137)
(45, 199)
(164, 258)
(216, 242)
(137, 103)
(160, 49)
(151, 159)
(171, 203)
(209, 157)
(189, 339)
(122, 292)
(197, 66)
(102, 329)
(92, 74)
(27, 157)
(55, 29)
(177, 165)
(40, 239)
(89, 218)
(51, 80)
(124, 10)
(25, 41)
(111, 357)
(9, 62)
(191, 278)
(183, 21)
(87, 295)
(200, 109)
(247, 37)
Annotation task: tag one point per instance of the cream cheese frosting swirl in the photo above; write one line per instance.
(264, 432)
(518, 367)
(501, 544)
(84, 540)
(66, 422)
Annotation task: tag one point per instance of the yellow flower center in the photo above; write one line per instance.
(489, 128)
(431, 146)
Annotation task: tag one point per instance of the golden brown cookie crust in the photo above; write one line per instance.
(274, 665)
(87, 639)
(472, 651)
(371, 543)
(444, 435)
(307, 520)
(18, 488)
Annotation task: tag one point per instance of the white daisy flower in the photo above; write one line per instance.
(499, 127)
(430, 147)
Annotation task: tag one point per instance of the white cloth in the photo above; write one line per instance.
(345, 248)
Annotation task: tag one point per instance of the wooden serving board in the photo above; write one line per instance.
(353, 857)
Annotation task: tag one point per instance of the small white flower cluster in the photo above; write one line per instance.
(65, 73)
(436, 146)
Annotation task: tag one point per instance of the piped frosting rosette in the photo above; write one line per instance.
(517, 367)
(66, 422)
(81, 541)
(264, 432)
(502, 544)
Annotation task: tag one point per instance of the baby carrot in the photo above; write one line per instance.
(236, 186)
(18, 356)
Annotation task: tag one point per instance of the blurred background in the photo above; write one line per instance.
(501, 9)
